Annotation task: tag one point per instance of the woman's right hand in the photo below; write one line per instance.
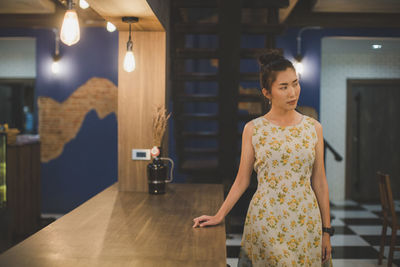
(206, 220)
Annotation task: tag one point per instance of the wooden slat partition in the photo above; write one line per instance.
(130, 229)
(23, 189)
(138, 94)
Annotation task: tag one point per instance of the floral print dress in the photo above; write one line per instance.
(283, 223)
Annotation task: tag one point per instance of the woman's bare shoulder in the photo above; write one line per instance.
(317, 124)
(248, 128)
(314, 122)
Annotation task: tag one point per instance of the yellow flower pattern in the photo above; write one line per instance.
(283, 222)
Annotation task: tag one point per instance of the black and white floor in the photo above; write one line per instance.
(356, 240)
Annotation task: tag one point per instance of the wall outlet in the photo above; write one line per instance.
(140, 154)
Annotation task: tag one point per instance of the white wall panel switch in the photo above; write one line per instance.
(140, 154)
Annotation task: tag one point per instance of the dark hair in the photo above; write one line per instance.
(270, 64)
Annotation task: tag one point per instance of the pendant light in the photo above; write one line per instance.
(298, 64)
(70, 34)
(129, 60)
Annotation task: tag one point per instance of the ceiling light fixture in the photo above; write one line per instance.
(70, 33)
(298, 65)
(129, 60)
(110, 27)
(83, 4)
(376, 46)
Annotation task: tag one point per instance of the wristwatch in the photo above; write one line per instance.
(329, 230)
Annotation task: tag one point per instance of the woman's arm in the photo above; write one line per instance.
(320, 187)
(241, 183)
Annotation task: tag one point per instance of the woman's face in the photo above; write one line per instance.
(285, 90)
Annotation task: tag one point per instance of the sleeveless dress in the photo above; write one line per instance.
(283, 224)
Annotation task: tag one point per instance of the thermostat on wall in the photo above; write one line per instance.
(140, 154)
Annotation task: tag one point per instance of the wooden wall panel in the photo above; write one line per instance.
(113, 10)
(138, 94)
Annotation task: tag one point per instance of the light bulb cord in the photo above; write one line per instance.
(57, 42)
(56, 55)
(69, 4)
(129, 44)
(129, 32)
(299, 37)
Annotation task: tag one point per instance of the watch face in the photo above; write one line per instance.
(155, 151)
(330, 231)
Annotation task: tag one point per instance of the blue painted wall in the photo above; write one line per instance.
(89, 163)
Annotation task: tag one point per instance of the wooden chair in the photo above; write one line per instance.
(389, 217)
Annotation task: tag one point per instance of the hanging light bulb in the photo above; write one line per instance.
(298, 65)
(129, 60)
(55, 67)
(83, 4)
(70, 33)
(110, 27)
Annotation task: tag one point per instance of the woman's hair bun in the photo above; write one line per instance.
(271, 56)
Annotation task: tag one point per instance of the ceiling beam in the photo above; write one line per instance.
(344, 20)
(114, 10)
(32, 20)
(87, 17)
(285, 12)
(357, 6)
(27, 7)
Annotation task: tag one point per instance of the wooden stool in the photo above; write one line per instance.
(389, 217)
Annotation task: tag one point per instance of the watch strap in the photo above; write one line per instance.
(329, 230)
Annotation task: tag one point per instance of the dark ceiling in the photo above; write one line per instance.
(296, 13)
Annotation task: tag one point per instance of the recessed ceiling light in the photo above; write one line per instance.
(376, 46)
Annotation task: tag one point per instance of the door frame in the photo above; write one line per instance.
(351, 83)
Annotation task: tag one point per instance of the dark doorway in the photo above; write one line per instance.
(373, 137)
(15, 95)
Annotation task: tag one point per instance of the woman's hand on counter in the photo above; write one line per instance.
(206, 220)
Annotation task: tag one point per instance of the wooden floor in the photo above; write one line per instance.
(130, 229)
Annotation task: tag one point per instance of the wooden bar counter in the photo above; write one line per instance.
(130, 229)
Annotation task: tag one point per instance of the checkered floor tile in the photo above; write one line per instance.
(356, 240)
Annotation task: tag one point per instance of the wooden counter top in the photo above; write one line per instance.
(130, 229)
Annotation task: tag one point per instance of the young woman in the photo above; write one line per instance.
(288, 220)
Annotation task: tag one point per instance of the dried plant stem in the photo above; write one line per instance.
(159, 125)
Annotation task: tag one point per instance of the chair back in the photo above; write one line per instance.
(386, 196)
